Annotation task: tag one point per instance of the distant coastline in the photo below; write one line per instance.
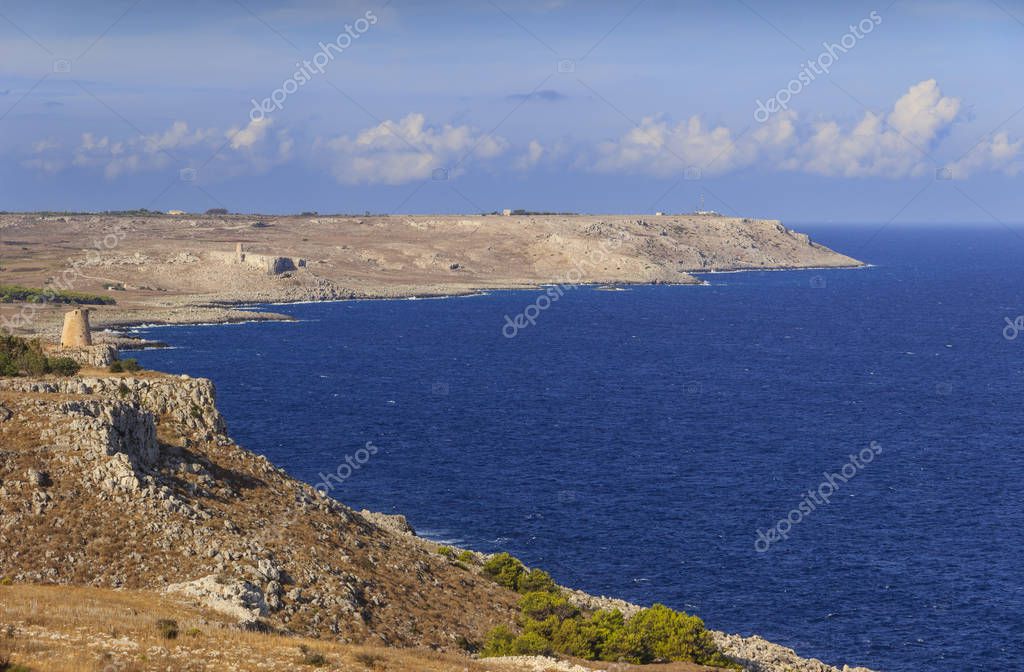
(205, 269)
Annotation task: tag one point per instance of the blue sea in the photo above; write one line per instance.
(647, 443)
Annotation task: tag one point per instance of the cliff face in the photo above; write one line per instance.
(132, 482)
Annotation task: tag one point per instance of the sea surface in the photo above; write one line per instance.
(634, 443)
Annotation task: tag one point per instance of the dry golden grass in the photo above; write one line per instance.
(75, 629)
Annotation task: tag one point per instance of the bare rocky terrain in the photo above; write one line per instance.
(176, 269)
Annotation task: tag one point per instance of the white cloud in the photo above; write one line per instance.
(405, 151)
(252, 134)
(997, 153)
(50, 166)
(659, 148)
(178, 147)
(256, 149)
(895, 147)
(896, 144)
(139, 153)
(531, 157)
(177, 136)
(45, 145)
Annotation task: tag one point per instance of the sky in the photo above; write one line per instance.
(818, 112)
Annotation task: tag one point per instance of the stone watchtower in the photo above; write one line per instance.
(76, 333)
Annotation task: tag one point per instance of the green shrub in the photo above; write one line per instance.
(658, 634)
(540, 605)
(504, 570)
(64, 366)
(531, 644)
(535, 580)
(547, 628)
(661, 634)
(510, 572)
(116, 366)
(468, 557)
(498, 643)
(446, 551)
(19, 356)
(131, 365)
(586, 638)
(12, 293)
(23, 357)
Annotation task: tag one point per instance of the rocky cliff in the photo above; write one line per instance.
(132, 482)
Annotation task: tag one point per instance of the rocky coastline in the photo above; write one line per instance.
(154, 449)
(246, 540)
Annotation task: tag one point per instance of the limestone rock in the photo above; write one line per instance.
(232, 597)
(396, 523)
(99, 356)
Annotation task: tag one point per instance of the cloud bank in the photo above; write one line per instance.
(897, 144)
(406, 151)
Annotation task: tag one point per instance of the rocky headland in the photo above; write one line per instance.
(163, 269)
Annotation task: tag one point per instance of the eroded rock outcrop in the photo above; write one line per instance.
(99, 356)
(147, 491)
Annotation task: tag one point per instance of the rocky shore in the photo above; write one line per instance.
(200, 519)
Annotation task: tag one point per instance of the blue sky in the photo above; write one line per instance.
(595, 106)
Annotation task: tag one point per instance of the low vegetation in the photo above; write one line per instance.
(168, 628)
(368, 660)
(16, 293)
(22, 357)
(7, 666)
(509, 572)
(551, 625)
(125, 365)
(308, 656)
